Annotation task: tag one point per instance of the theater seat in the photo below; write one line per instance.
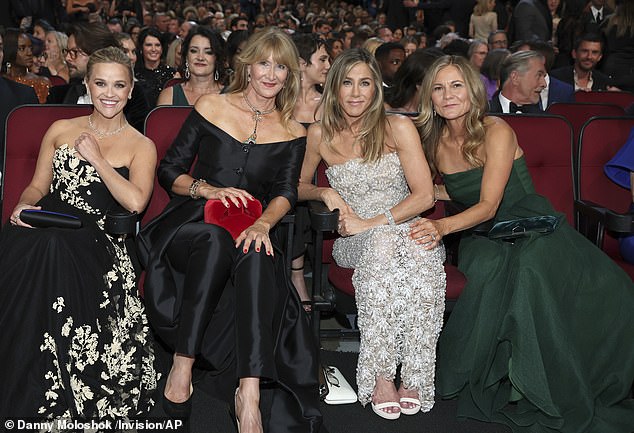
(600, 204)
(622, 99)
(26, 126)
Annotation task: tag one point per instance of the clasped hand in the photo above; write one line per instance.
(426, 232)
(349, 222)
(258, 233)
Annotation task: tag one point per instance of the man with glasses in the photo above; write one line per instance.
(498, 39)
(85, 39)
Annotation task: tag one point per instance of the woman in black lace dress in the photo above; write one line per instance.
(75, 341)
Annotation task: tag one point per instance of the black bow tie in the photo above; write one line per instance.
(526, 108)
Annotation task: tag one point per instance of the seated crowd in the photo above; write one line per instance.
(395, 101)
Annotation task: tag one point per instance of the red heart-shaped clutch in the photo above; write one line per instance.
(234, 219)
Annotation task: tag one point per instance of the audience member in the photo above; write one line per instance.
(85, 347)
(203, 59)
(80, 10)
(85, 39)
(403, 96)
(542, 318)
(390, 57)
(521, 83)
(150, 69)
(477, 52)
(498, 39)
(490, 70)
(593, 17)
(483, 20)
(532, 21)
(55, 44)
(583, 75)
(384, 33)
(410, 44)
(380, 183)
(184, 29)
(254, 332)
(618, 51)
(18, 57)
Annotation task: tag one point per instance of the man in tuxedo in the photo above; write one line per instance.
(583, 75)
(556, 90)
(593, 16)
(532, 21)
(522, 81)
(85, 39)
(12, 94)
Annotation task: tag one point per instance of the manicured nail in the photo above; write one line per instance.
(257, 249)
(245, 250)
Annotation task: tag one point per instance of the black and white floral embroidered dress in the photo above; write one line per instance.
(74, 337)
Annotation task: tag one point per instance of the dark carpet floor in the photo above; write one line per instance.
(213, 416)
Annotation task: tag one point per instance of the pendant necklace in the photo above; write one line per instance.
(257, 117)
(101, 134)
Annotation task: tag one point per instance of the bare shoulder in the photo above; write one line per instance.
(397, 121)
(497, 127)
(313, 133)
(207, 105)
(296, 128)
(142, 144)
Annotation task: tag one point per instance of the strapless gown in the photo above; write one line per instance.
(75, 340)
(399, 286)
(541, 337)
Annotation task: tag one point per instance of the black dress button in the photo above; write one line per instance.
(245, 148)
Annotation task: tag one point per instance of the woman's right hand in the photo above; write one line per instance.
(333, 200)
(235, 195)
(15, 215)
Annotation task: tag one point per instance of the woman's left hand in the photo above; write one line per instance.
(88, 147)
(427, 232)
(258, 233)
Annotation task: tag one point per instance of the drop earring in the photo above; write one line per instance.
(216, 75)
(187, 74)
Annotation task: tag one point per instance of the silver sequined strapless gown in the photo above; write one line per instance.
(399, 286)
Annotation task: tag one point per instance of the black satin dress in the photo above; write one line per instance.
(236, 312)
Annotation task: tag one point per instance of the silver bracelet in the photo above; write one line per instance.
(390, 217)
(193, 188)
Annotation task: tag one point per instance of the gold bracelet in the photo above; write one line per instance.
(193, 188)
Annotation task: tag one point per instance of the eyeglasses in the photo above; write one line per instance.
(73, 53)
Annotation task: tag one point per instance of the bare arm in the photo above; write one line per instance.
(500, 150)
(132, 194)
(166, 97)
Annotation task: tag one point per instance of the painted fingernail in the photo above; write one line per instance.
(257, 249)
(245, 250)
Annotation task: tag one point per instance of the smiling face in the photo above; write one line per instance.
(449, 95)
(530, 84)
(357, 91)
(200, 56)
(267, 77)
(587, 55)
(152, 50)
(76, 59)
(110, 85)
(317, 71)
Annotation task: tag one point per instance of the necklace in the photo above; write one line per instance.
(257, 117)
(102, 134)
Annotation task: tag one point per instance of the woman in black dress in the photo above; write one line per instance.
(252, 331)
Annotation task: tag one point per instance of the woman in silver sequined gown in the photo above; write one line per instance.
(380, 182)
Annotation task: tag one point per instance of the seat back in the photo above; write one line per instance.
(25, 128)
(577, 113)
(622, 99)
(601, 138)
(547, 141)
(162, 125)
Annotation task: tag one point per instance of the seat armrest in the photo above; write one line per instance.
(619, 223)
(590, 220)
(322, 219)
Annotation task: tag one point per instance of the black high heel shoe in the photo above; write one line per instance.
(179, 410)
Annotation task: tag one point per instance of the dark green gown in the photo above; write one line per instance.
(542, 338)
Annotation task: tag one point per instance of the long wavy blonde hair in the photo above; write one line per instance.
(260, 46)
(431, 125)
(371, 136)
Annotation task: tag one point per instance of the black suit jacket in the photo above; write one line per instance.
(600, 81)
(12, 94)
(135, 110)
(589, 24)
(495, 106)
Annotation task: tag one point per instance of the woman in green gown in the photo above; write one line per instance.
(542, 337)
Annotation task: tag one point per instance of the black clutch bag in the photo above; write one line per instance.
(43, 219)
(513, 229)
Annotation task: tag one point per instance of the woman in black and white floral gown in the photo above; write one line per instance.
(75, 340)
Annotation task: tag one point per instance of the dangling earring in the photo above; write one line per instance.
(187, 74)
(216, 75)
(248, 78)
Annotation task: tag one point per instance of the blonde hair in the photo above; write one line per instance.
(110, 55)
(481, 7)
(431, 125)
(371, 44)
(372, 133)
(260, 46)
